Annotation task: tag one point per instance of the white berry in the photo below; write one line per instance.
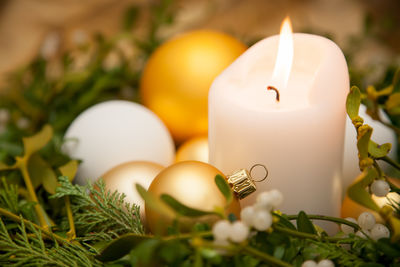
(325, 263)
(262, 220)
(309, 263)
(347, 229)
(276, 198)
(362, 235)
(221, 230)
(247, 215)
(240, 232)
(380, 188)
(264, 201)
(379, 231)
(366, 220)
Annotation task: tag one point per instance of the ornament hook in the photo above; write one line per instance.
(259, 165)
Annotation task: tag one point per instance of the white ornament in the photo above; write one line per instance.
(347, 229)
(380, 188)
(247, 215)
(262, 220)
(222, 230)
(381, 134)
(325, 263)
(240, 232)
(366, 220)
(379, 231)
(309, 263)
(114, 132)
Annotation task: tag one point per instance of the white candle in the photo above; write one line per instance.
(300, 138)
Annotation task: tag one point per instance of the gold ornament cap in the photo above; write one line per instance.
(242, 182)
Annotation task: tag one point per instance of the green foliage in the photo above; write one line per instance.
(99, 215)
(25, 248)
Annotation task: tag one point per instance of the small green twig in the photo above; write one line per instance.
(327, 218)
(264, 256)
(71, 234)
(42, 216)
(18, 219)
(303, 235)
(378, 168)
(391, 162)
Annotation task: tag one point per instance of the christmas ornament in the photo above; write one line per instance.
(381, 134)
(125, 176)
(177, 77)
(114, 132)
(193, 149)
(193, 184)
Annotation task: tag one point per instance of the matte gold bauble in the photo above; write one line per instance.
(178, 75)
(124, 177)
(193, 149)
(193, 184)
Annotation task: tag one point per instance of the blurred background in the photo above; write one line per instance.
(26, 24)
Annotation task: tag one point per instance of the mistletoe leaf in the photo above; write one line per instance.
(363, 139)
(69, 169)
(395, 225)
(224, 187)
(392, 105)
(121, 246)
(357, 190)
(304, 224)
(41, 173)
(36, 142)
(378, 151)
(353, 102)
(183, 209)
(155, 203)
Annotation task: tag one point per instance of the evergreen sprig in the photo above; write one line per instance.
(99, 215)
(27, 247)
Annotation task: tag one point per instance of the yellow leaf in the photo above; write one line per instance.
(69, 170)
(36, 142)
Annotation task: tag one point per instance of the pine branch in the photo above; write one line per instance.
(24, 249)
(99, 214)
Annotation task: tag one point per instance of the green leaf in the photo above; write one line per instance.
(304, 224)
(357, 190)
(183, 209)
(36, 142)
(143, 253)
(363, 138)
(224, 187)
(130, 17)
(392, 105)
(121, 246)
(284, 221)
(378, 151)
(395, 225)
(39, 171)
(353, 102)
(69, 170)
(155, 203)
(388, 248)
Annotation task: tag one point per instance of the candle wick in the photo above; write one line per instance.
(276, 91)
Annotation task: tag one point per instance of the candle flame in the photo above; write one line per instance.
(284, 59)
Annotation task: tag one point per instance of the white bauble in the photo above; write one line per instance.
(381, 134)
(113, 132)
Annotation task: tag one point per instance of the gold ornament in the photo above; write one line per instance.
(193, 184)
(178, 75)
(193, 149)
(124, 177)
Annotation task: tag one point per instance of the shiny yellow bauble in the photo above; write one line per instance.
(193, 184)
(178, 75)
(124, 177)
(193, 149)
